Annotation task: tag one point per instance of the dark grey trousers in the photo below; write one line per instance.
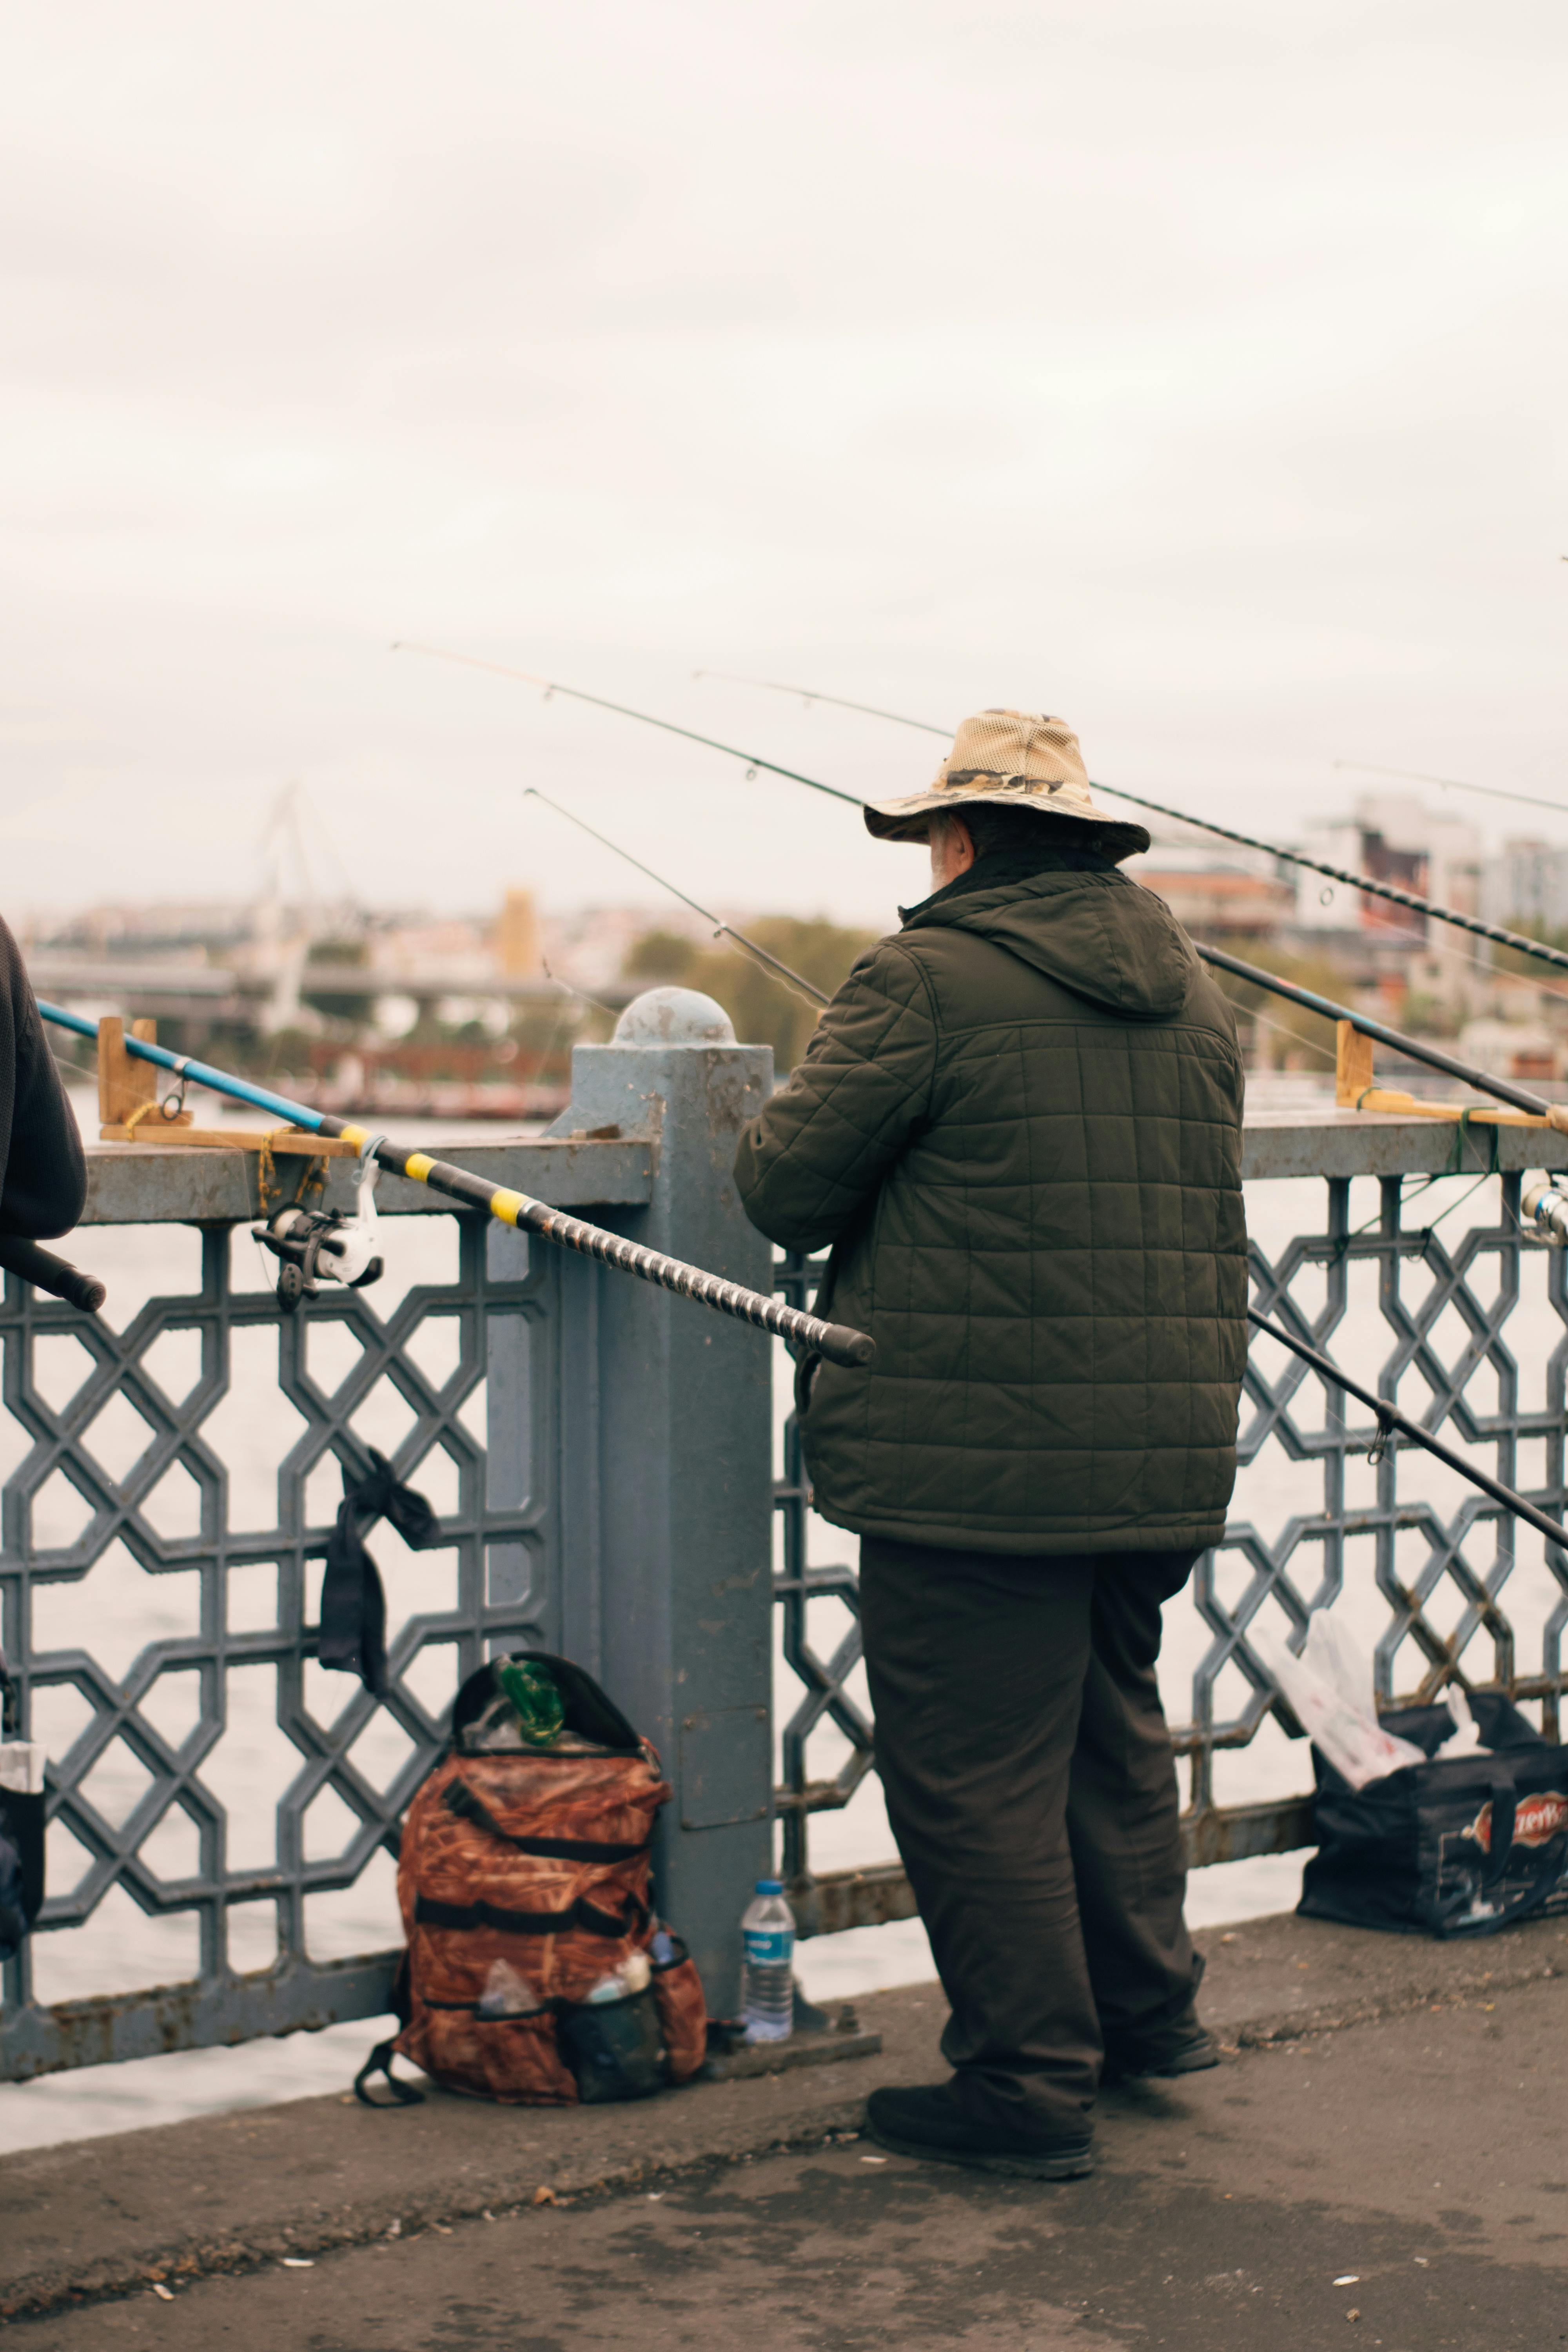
(1031, 1787)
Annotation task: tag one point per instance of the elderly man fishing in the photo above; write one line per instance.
(1018, 1126)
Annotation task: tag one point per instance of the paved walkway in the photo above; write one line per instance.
(1385, 2149)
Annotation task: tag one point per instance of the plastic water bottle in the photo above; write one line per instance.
(767, 1935)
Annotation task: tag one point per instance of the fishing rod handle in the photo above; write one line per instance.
(55, 1275)
(835, 1341)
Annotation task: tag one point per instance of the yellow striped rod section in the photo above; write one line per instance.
(835, 1341)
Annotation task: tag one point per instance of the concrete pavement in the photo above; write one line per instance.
(1392, 2118)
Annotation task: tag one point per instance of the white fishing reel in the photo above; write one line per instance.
(320, 1245)
(1547, 1208)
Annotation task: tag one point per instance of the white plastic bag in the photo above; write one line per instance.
(1330, 1690)
(1464, 1740)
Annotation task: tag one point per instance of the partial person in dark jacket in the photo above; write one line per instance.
(43, 1186)
(1019, 1130)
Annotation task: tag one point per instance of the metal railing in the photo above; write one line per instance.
(598, 1452)
(1442, 1583)
(128, 1731)
(223, 1813)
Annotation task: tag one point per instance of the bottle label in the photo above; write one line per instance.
(769, 1947)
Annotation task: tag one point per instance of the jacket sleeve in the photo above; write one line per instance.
(810, 1161)
(44, 1187)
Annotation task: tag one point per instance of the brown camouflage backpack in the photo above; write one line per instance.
(536, 1972)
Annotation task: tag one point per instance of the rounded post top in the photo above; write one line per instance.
(674, 1016)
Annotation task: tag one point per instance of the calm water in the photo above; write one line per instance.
(120, 1949)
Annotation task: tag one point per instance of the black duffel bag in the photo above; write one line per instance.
(1462, 1848)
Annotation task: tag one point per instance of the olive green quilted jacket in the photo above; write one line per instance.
(1019, 1128)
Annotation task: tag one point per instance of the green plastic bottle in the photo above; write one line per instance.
(531, 1692)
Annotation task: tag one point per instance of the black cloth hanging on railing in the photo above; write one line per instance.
(21, 1838)
(354, 1606)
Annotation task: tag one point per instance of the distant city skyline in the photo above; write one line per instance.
(1194, 374)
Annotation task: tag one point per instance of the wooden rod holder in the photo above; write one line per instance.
(127, 1088)
(128, 1107)
(1353, 1064)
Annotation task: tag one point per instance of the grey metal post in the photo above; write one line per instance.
(684, 1608)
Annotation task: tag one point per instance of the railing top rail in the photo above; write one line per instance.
(133, 1185)
(153, 1184)
(1325, 1140)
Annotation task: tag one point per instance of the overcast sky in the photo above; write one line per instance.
(1195, 372)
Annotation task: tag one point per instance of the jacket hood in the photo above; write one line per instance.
(1099, 934)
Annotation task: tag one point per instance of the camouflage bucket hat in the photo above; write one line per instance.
(1010, 759)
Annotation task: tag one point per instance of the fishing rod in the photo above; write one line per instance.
(1551, 1209)
(1519, 1098)
(834, 1340)
(55, 1275)
(1519, 940)
(1390, 1417)
(771, 963)
(1365, 767)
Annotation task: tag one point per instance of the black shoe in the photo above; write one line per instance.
(931, 2123)
(1184, 2048)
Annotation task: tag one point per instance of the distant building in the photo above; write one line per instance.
(1213, 894)
(1389, 838)
(1526, 884)
(517, 935)
(1513, 1049)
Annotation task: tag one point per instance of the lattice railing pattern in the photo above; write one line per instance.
(1438, 1333)
(62, 1437)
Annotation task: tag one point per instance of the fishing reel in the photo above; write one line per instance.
(1547, 1208)
(320, 1245)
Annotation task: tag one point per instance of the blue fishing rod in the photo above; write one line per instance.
(335, 1248)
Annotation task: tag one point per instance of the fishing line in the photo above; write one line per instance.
(1255, 1012)
(1458, 955)
(794, 981)
(1517, 1098)
(1389, 1416)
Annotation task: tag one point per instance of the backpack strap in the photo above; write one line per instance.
(459, 1799)
(429, 1913)
(403, 2094)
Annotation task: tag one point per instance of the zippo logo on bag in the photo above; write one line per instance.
(1536, 1822)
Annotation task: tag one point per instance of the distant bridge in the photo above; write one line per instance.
(214, 993)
